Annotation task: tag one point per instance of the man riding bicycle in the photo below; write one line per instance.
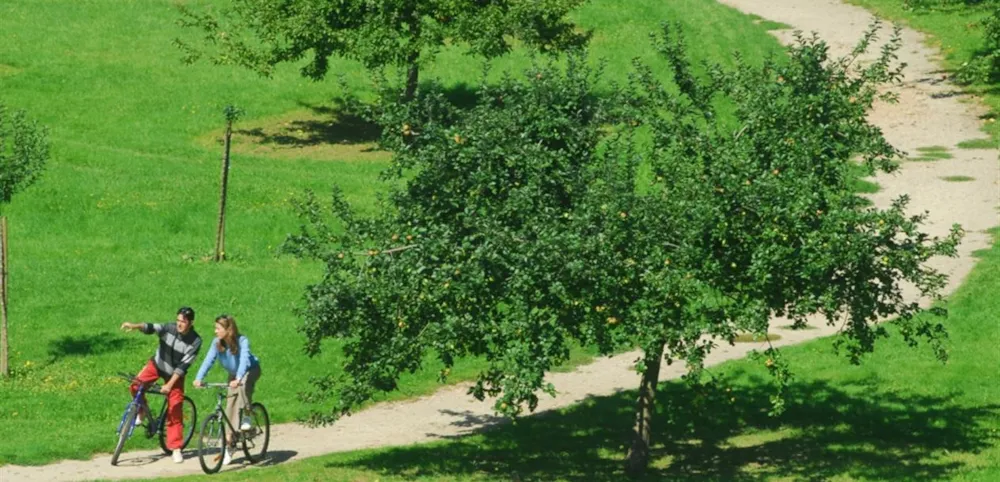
(179, 345)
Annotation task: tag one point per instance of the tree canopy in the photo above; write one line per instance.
(668, 215)
(24, 149)
(259, 34)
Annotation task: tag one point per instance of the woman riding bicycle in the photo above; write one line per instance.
(232, 350)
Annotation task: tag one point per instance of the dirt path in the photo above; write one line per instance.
(928, 114)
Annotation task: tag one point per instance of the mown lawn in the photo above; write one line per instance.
(122, 224)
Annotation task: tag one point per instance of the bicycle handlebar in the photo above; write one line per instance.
(150, 387)
(214, 385)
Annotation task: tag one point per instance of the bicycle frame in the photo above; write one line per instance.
(212, 456)
(219, 397)
(138, 401)
(155, 423)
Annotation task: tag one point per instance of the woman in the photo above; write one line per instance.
(233, 351)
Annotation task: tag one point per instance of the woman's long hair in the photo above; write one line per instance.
(230, 339)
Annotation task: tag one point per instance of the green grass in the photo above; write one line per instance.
(863, 184)
(931, 153)
(956, 31)
(900, 415)
(978, 144)
(958, 178)
(753, 338)
(121, 225)
(769, 24)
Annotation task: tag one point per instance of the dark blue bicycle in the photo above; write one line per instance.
(155, 423)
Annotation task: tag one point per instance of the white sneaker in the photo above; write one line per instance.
(227, 458)
(178, 456)
(245, 424)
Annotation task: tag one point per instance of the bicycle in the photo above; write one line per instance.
(154, 423)
(212, 440)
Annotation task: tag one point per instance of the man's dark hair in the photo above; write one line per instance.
(187, 312)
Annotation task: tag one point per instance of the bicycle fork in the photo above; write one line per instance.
(132, 425)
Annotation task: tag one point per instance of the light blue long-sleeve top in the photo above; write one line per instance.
(237, 365)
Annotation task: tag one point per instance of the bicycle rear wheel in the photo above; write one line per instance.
(189, 419)
(256, 439)
(124, 430)
(212, 443)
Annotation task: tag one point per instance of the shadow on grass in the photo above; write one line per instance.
(856, 430)
(87, 345)
(336, 124)
(275, 457)
(462, 95)
(925, 7)
(330, 126)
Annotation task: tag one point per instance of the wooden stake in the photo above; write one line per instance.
(220, 237)
(4, 361)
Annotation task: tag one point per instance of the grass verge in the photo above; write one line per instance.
(956, 30)
(979, 144)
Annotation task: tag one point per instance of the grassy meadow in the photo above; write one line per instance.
(122, 224)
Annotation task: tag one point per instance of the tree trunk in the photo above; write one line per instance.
(412, 76)
(638, 453)
(412, 66)
(220, 235)
(4, 362)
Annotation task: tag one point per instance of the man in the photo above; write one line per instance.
(179, 345)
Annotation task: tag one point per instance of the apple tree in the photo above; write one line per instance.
(259, 34)
(667, 215)
(751, 202)
(24, 150)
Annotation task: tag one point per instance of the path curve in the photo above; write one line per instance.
(928, 114)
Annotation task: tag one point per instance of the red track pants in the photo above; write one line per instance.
(175, 399)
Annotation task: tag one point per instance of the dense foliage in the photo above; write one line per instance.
(24, 149)
(666, 214)
(259, 34)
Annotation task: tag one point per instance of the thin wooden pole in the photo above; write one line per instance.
(220, 238)
(4, 362)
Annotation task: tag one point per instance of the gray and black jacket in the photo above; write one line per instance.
(176, 351)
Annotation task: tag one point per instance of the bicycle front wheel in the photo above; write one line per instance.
(124, 430)
(256, 439)
(212, 443)
(189, 419)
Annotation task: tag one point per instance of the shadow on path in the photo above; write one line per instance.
(857, 430)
